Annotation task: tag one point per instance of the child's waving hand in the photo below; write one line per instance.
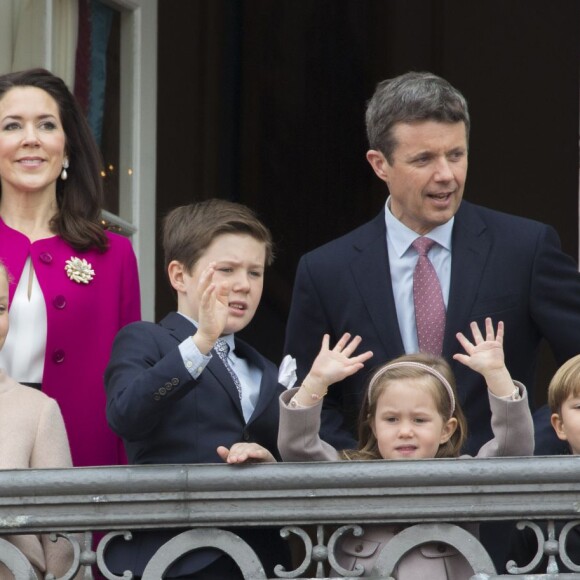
(331, 366)
(486, 356)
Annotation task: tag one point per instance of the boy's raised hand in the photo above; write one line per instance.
(486, 356)
(213, 310)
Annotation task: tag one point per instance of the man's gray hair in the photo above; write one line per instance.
(411, 97)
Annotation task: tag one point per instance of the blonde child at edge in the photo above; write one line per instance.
(410, 411)
(564, 403)
(32, 435)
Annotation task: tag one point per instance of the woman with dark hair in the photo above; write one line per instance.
(74, 284)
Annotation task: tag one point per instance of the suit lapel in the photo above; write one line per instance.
(181, 328)
(269, 387)
(217, 368)
(178, 325)
(372, 277)
(470, 250)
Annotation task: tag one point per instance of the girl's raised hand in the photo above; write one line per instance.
(334, 365)
(483, 355)
(486, 356)
(330, 366)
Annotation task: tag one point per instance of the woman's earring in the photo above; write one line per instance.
(63, 173)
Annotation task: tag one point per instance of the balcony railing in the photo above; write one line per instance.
(429, 497)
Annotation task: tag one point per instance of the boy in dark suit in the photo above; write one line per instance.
(170, 394)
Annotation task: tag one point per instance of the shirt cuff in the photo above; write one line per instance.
(193, 360)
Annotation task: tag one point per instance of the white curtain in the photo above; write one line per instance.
(6, 48)
(24, 38)
(64, 45)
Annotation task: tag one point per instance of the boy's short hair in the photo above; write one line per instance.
(189, 230)
(565, 382)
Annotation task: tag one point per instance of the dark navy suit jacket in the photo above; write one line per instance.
(166, 417)
(505, 267)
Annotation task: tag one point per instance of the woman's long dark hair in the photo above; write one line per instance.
(80, 197)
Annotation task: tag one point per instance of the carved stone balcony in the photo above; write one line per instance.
(429, 497)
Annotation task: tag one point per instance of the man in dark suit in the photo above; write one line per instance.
(488, 264)
(187, 390)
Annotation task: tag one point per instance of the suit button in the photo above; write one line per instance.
(59, 302)
(246, 436)
(175, 381)
(156, 397)
(167, 385)
(45, 257)
(162, 391)
(58, 356)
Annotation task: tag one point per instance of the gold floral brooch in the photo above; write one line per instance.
(79, 271)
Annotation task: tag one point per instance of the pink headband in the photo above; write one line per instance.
(416, 365)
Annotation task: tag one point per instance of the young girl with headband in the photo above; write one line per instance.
(411, 411)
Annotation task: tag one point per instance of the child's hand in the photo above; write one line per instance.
(334, 365)
(486, 356)
(245, 453)
(213, 310)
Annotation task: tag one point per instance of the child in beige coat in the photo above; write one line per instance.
(32, 435)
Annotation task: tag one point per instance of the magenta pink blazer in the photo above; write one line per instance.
(82, 321)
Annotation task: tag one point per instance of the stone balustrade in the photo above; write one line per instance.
(315, 503)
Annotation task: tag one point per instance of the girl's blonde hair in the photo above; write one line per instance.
(396, 369)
